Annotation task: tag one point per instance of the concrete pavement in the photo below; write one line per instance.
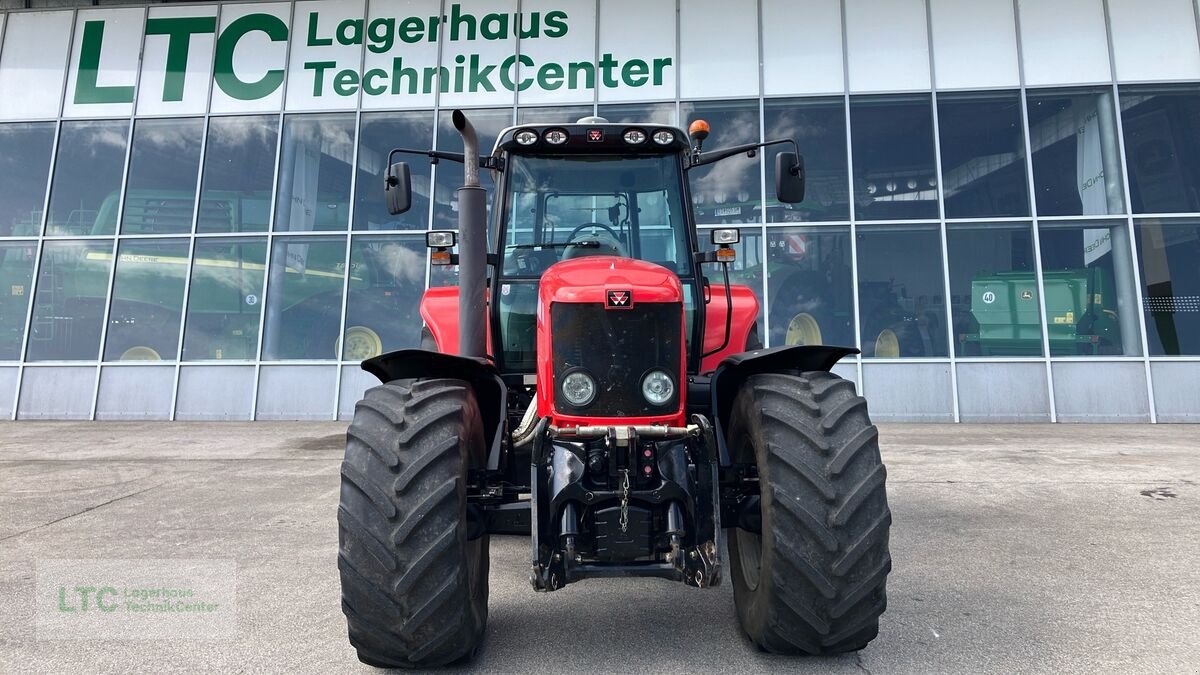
(1068, 548)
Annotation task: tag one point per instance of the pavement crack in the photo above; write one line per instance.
(859, 662)
(81, 512)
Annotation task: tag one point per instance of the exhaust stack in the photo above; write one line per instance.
(472, 247)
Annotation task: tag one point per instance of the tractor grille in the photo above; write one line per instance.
(617, 347)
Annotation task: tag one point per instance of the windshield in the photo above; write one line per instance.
(559, 208)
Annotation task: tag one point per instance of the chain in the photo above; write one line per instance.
(624, 500)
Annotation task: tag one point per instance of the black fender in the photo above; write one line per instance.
(727, 379)
(480, 373)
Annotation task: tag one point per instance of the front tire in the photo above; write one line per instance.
(814, 580)
(414, 587)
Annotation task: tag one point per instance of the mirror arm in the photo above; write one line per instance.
(725, 153)
(433, 155)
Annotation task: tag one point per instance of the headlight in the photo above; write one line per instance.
(657, 387)
(635, 136)
(578, 388)
(664, 137)
(526, 137)
(555, 136)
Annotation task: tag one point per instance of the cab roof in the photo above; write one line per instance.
(586, 137)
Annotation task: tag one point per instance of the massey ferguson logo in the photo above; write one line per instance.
(620, 299)
(595, 135)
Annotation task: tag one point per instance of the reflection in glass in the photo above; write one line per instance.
(387, 279)
(746, 270)
(224, 299)
(68, 305)
(639, 113)
(1087, 272)
(810, 286)
(993, 290)
(160, 193)
(1169, 253)
(314, 173)
(1162, 147)
(24, 167)
(901, 295)
(16, 271)
(729, 191)
(379, 133)
(143, 322)
(86, 189)
(819, 127)
(895, 176)
(555, 115)
(488, 124)
(1076, 157)
(239, 163)
(304, 298)
(983, 155)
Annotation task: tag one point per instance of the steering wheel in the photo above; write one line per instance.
(575, 232)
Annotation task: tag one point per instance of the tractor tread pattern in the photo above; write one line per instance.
(825, 560)
(408, 592)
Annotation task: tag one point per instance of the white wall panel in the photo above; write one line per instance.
(718, 50)
(651, 38)
(215, 393)
(33, 64)
(258, 58)
(468, 45)
(117, 34)
(56, 393)
(1154, 42)
(327, 38)
(802, 47)
(1064, 41)
(565, 33)
(1089, 392)
(8, 391)
(135, 393)
(888, 45)
(1176, 393)
(974, 44)
(296, 392)
(394, 66)
(160, 92)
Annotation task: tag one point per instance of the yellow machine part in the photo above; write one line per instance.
(361, 343)
(803, 329)
(887, 345)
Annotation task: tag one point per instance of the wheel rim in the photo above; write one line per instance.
(803, 329)
(749, 547)
(887, 345)
(362, 343)
(140, 353)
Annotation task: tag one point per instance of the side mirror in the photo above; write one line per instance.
(397, 188)
(789, 177)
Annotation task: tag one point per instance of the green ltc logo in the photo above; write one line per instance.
(82, 593)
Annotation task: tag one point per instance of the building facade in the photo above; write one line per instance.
(1001, 211)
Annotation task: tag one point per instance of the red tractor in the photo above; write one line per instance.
(586, 384)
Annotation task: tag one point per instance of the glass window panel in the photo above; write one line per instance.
(160, 194)
(1162, 147)
(559, 115)
(1076, 157)
(729, 191)
(387, 280)
(488, 125)
(314, 173)
(993, 290)
(143, 322)
(224, 299)
(894, 172)
(86, 189)
(16, 271)
(379, 134)
(983, 155)
(24, 168)
(810, 286)
(68, 305)
(1087, 272)
(1169, 252)
(819, 127)
(902, 308)
(304, 298)
(639, 113)
(239, 163)
(746, 270)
